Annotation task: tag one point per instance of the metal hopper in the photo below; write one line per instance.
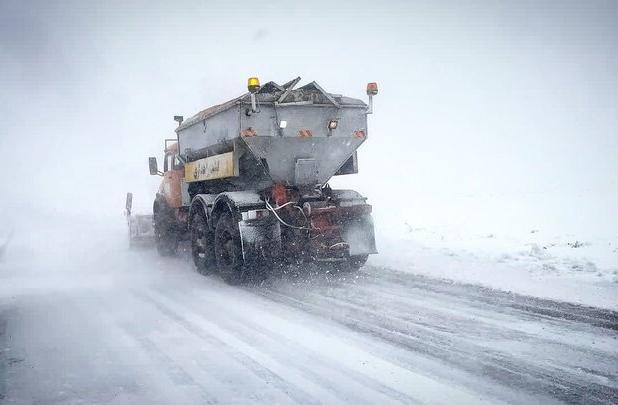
(293, 136)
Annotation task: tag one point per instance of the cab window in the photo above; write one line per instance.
(172, 162)
(167, 162)
(177, 163)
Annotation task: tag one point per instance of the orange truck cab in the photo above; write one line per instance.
(173, 173)
(170, 215)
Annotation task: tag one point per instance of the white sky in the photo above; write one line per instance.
(490, 114)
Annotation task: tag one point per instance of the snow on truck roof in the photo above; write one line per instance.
(273, 93)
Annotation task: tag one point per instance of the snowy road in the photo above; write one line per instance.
(129, 327)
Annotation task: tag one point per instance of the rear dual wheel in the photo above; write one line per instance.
(220, 250)
(228, 251)
(202, 244)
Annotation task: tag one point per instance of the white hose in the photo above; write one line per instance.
(274, 211)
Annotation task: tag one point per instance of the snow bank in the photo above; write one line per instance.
(583, 271)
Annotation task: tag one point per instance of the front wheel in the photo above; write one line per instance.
(166, 238)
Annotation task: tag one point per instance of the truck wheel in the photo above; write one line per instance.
(167, 242)
(202, 244)
(167, 245)
(228, 250)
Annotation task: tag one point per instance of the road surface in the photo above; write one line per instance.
(128, 327)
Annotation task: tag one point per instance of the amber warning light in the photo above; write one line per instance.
(372, 90)
(253, 84)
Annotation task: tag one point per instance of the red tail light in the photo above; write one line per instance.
(372, 89)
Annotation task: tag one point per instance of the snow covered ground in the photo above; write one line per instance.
(517, 266)
(83, 319)
(546, 250)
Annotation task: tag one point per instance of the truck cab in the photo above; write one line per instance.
(169, 214)
(173, 174)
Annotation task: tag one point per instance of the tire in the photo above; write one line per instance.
(202, 244)
(166, 238)
(228, 251)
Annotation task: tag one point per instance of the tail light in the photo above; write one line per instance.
(372, 89)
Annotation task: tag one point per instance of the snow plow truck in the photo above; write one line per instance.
(246, 182)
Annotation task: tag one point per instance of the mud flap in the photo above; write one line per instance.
(359, 234)
(261, 241)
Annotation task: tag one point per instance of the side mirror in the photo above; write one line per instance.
(152, 165)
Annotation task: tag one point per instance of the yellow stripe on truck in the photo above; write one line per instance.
(212, 167)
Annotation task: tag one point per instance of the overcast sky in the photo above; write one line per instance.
(501, 108)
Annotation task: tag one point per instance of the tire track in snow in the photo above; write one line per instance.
(459, 322)
(256, 362)
(417, 386)
(497, 365)
(499, 300)
(199, 368)
(174, 371)
(358, 387)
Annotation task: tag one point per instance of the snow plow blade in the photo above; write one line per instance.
(141, 229)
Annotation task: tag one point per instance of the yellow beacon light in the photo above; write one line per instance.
(253, 84)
